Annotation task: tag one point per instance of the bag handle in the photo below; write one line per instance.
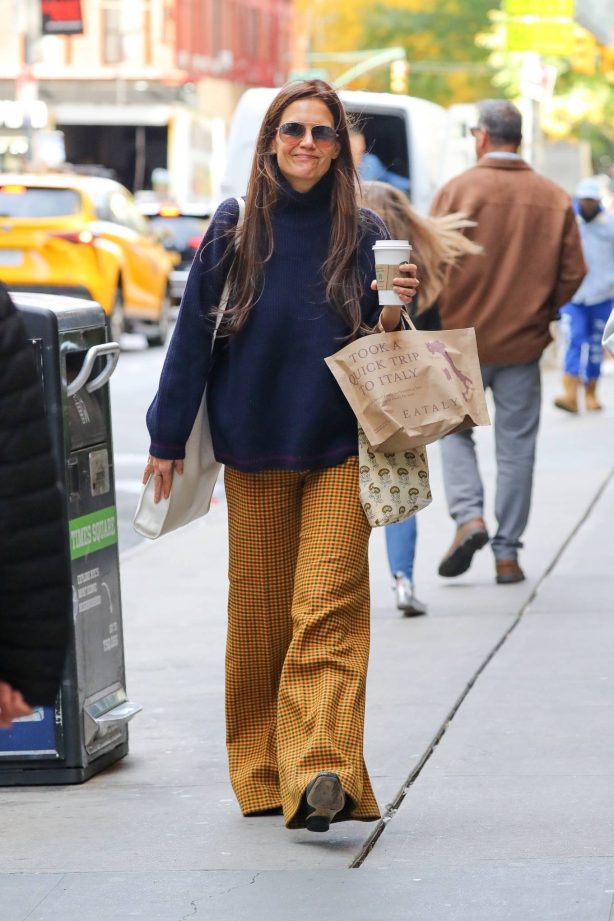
(405, 317)
(224, 298)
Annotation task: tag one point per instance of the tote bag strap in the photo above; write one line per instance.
(224, 298)
(405, 318)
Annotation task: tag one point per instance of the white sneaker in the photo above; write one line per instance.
(406, 600)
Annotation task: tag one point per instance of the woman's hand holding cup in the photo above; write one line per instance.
(396, 281)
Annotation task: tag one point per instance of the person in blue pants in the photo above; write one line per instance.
(401, 547)
(584, 330)
(437, 244)
(584, 318)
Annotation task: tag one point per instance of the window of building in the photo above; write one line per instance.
(168, 22)
(253, 30)
(216, 26)
(132, 27)
(123, 32)
(112, 42)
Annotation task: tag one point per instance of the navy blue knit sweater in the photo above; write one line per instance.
(272, 401)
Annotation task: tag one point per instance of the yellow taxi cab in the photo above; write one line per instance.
(181, 228)
(83, 236)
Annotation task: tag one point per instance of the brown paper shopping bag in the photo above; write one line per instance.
(411, 387)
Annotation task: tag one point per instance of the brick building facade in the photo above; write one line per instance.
(247, 41)
(148, 84)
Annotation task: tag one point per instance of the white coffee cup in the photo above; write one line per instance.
(389, 256)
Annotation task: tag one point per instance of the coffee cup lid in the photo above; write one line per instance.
(391, 244)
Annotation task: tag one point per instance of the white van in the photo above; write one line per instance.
(408, 134)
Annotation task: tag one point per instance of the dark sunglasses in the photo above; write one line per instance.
(293, 132)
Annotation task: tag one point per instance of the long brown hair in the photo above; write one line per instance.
(437, 242)
(255, 239)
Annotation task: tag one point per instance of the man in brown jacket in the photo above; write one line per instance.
(531, 265)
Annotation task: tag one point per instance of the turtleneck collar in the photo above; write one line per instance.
(316, 199)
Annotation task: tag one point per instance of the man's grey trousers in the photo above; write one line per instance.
(516, 391)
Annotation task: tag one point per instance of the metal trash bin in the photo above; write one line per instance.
(87, 729)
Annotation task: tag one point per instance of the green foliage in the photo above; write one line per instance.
(582, 106)
(446, 64)
(588, 102)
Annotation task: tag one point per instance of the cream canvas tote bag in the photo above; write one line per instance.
(191, 492)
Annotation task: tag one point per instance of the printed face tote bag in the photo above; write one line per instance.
(393, 486)
(411, 387)
(191, 492)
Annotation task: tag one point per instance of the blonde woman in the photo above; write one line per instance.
(438, 244)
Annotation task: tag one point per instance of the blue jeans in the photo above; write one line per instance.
(401, 546)
(583, 327)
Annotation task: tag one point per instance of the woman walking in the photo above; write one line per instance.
(437, 244)
(300, 280)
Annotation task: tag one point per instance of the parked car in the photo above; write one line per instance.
(180, 229)
(83, 236)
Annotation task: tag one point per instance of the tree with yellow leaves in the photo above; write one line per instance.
(445, 63)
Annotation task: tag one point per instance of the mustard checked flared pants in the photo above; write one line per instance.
(298, 637)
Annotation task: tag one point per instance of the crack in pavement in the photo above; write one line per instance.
(194, 902)
(242, 885)
(44, 898)
(190, 914)
(392, 808)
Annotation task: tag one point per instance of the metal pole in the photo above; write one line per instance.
(140, 158)
(532, 88)
(382, 57)
(26, 90)
(538, 138)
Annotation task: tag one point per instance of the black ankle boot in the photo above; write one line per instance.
(324, 798)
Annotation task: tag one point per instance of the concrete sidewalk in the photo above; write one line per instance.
(488, 738)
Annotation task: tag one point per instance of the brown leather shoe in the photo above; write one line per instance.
(470, 537)
(509, 571)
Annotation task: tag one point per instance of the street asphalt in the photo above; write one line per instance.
(489, 737)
